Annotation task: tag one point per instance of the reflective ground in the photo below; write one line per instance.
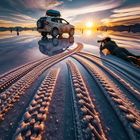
(83, 88)
(28, 45)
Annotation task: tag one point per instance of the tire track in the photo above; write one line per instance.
(120, 68)
(12, 76)
(33, 124)
(125, 84)
(17, 68)
(124, 108)
(88, 124)
(12, 94)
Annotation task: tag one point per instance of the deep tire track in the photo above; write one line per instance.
(113, 125)
(127, 113)
(33, 124)
(119, 68)
(8, 78)
(12, 95)
(125, 84)
(87, 121)
(12, 76)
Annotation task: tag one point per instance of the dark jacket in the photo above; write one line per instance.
(111, 46)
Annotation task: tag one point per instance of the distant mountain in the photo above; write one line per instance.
(15, 28)
(129, 28)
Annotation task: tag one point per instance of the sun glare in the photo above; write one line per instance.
(89, 24)
(89, 32)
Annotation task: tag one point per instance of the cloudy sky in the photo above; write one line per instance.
(26, 12)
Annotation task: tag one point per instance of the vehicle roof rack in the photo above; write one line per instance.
(53, 13)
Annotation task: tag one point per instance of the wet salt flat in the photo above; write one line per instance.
(66, 85)
(89, 38)
(26, 46)
(130, 41)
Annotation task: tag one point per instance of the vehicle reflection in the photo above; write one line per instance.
(53, 46)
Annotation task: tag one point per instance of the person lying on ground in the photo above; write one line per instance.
(114, 49)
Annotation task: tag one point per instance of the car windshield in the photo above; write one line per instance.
(63, 21)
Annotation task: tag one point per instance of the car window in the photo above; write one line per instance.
(54, 20)
(43, 18)
(64, 21)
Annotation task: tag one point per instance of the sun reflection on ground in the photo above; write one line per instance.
(88, 32)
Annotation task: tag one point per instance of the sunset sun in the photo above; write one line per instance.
(89, 24)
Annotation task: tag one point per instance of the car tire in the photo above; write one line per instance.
(44, 34)
(71, 39)
(71, 32)
(41, 25)
(55, 32)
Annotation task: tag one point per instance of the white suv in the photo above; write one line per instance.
(54, 26)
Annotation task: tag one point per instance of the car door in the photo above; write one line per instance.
(64, 25)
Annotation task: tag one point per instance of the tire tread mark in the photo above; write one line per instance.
(12, 94)
(88, 123)
(10, 77)
(32, 125)
(134, 91)
(114, 63)
(124, 108)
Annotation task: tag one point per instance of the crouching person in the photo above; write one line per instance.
(114, 49)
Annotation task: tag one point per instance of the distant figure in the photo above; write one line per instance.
(17, 31)
(11, 30)
(114, 49)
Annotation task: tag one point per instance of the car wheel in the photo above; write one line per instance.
(71, 39)
(71, 33)
(44, 34)
(55, 32)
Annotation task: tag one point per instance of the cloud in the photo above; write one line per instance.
(127, 15)
(117, 15)
(127, 9)
(22, 17)
(102, 6)
(17, 19)
(42, 4)
(8, 23)
(24, 11)
(5, 21)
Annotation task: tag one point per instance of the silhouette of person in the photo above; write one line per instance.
(11, 30)
(114, 49)
(17, 31)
